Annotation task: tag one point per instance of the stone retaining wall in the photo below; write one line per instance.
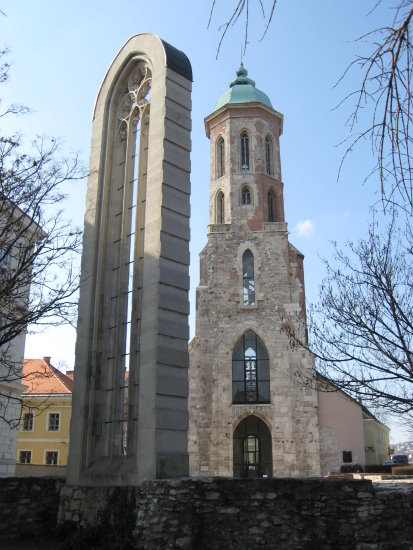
(28, 506)
(247, 514)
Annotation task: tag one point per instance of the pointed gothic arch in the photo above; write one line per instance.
(220, 157)
(252, 448)
(269, 155)
(272, 206)
(245, 151)
(220, 207)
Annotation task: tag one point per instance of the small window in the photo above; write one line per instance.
(245, 196)
(245, 152)
(27, 422)
(347, 456)
(220, 157)
(25, 457)
(248, 278)
(52, 458)
(271, 206)
(54, 422)
(269, 154)
(220, 217)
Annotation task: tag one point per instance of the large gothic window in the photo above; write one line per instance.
(250, 371)
(269, 156)
(245, 152)
(248, 278)
(220, 208)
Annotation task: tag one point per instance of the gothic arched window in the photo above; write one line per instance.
(248, 278)
(271, 206)
(220, 157)
(220, 208)
(250, 370)
(245, 152)
(245, 196)
(269, 156)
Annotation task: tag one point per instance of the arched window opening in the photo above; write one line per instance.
(248, 278)
(271, 206)
(245, 196)
(269, 156)
(245, 152)
(252, 452)
(220, 211)
(250, 371)
(220, 157)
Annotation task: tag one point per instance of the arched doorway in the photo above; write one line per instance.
(252, 448)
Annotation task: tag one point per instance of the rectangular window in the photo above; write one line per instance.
(52, 458)
(25, 457)
(27, 422)
(347, 456)
(54, 422)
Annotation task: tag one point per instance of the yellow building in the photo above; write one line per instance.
(43, 437)
(376, 439)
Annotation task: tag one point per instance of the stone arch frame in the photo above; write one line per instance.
(219, 208)
(237, 442)
(243, 247)
(158, 387)
(220, 156)
(245, 131)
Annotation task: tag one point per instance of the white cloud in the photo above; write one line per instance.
(304, 228)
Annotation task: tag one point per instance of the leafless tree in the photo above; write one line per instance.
(361, 330)
(242, 8)
(38, 247)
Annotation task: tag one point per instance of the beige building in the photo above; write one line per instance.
(250, 413)
(340, 420)
(376, 439)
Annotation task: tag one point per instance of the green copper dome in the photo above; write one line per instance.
(242, 90)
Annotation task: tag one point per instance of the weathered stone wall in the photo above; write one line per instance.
(28, 506)
(272, 513)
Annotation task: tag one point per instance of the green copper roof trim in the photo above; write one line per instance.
(242, 90)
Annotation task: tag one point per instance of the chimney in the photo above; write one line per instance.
(70, 374)
(46, 359)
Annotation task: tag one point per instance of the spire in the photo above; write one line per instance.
(242, 77)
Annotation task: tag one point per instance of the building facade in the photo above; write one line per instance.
(253, 398)
(43, 436)
(376, 439)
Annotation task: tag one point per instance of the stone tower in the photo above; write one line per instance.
(130, 409)
(249, 414)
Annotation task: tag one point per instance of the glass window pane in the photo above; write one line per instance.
(264, 370)
(238, 371)
(264, 392)
(238, 393)
(250, 341)
(238, 353)
(262, 352)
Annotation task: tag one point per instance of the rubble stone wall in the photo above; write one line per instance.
(244, 514)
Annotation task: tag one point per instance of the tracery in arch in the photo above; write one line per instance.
(125, 192)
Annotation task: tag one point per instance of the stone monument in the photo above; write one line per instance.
(130, 410)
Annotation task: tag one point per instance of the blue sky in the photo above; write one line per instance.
(61, 50)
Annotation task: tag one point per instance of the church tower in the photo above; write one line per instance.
(251, 414)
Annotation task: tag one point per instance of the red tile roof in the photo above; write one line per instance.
(41, 377)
